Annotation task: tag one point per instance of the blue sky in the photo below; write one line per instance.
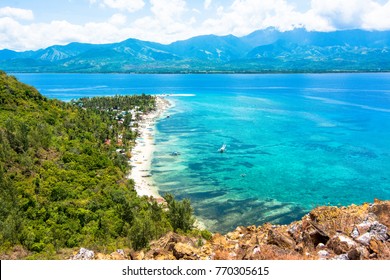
(34, 24)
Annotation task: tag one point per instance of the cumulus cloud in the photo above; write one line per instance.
(378, 18)
(170, 20)
(124, 5)
(341, 14)
(245, 16)
(207, 4)
(168, 10)
(17, 36)
(118, 19)
(15, 13)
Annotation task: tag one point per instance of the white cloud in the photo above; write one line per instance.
(20, 37)
(342, 14)
(168, 10)
(124, 5)
(172, 20)
(118, 19)
(245, 16)
(169, 21)
(16, 13)
(207, 4)
(378, 18)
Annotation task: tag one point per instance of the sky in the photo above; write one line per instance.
(36, 24)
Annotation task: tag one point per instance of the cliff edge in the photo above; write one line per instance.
(344, 233)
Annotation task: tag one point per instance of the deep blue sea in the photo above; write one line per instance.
(293, 141)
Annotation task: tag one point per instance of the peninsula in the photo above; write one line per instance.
(63, 169)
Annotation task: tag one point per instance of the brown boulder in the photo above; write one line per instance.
(185, 251)
(341, 244)
(137, 256)
(159, 254)
(382, 209)
(281, 239)
(376, 246)
(219, 240)
(117, 256)
(313, 234)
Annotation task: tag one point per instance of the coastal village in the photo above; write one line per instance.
(141, 124)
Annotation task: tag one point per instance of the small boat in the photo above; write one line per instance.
(175, 154)
(222, 149)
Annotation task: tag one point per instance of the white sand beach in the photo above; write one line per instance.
(142, 153)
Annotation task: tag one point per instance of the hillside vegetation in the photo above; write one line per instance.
(62, 181)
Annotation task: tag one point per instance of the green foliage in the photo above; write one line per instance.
(180, 213)
(206, 234)
(62, 185)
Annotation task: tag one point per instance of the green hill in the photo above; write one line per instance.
(61, 185)
(262, 51)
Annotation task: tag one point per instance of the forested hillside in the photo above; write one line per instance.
(262, 51)
(62, 181)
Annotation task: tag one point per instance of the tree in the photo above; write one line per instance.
(180, 213)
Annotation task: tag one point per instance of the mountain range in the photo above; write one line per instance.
(262, 51)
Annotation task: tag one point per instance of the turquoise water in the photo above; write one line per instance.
(293, 141)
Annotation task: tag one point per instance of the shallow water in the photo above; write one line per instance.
(293, 141)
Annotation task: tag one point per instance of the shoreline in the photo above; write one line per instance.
(142, 152)
(142, 155)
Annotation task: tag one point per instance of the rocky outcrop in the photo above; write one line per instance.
(345, 233)
(84, 254)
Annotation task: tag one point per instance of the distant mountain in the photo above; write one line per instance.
(266, 50)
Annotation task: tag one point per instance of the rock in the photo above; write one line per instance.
(167, 256)
(373, 256)
(382, 209)
(251, 253)
(376, 230)
(281, 240)
(364, 227)
(323, 254)
(256, 250)
(313, 234)
(364, 239)
(117, 256)
(355, 233)
(342, 257)
(220, 240)
(235, 235)
(251, 229)
(84, 254)
(184, 251)
(376, 246)
(354, 254)
(240, 230)
(295, 230)
(100, 256)
(137, 256)
(379, 231)
(299, 248)
(341, 244)
(166, 241)
(159, 254)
